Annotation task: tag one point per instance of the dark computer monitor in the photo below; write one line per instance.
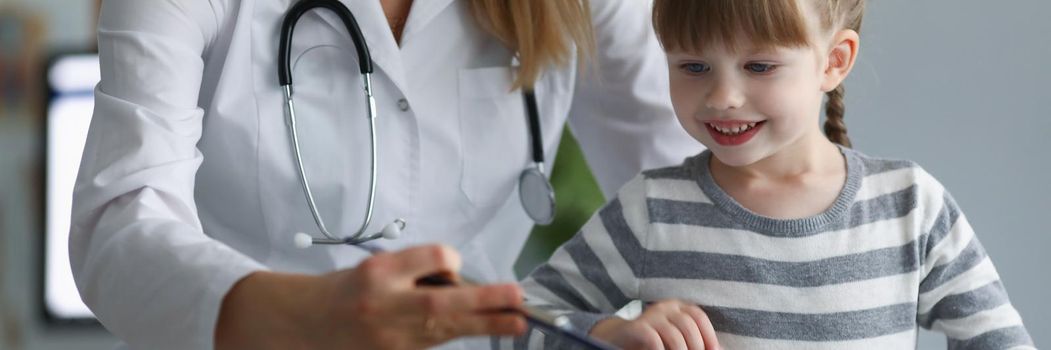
(69, 79)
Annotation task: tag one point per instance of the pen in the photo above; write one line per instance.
(554, 324)
(542, 319)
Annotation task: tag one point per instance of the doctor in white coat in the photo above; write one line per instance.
(188, 197)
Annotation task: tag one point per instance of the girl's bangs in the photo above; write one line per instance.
(692, 25)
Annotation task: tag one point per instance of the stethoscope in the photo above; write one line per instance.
(534, 189)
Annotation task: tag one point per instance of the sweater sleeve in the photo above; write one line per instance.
(593, 274)
(961, 294)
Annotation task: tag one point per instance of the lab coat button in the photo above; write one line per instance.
(403, 105)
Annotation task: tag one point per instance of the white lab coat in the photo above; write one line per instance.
(187, 182)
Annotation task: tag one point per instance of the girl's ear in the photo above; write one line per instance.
(841, 58)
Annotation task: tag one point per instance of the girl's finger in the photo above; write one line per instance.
(689, 329)
(671, 336)
(705, 325)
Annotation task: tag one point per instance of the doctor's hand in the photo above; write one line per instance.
(669, 324)
(377, 305)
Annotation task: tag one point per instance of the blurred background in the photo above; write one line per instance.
(960, 86)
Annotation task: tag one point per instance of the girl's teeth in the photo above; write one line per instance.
(734, 130)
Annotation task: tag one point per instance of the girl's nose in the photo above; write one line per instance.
(724, 95)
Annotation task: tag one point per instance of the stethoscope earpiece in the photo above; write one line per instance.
(303, 240)
(393, 229)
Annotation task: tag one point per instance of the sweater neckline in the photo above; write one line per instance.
(781, 227)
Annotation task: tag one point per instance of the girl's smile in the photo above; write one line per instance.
(732, 132)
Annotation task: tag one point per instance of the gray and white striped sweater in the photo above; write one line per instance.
(892, 253)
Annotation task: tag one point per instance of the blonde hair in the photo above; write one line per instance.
(688, 25)
(541, 32)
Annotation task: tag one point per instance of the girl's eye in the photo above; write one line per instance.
(696, 68)
(760, 67)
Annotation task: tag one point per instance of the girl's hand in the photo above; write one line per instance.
(669, 324)
(376, 305)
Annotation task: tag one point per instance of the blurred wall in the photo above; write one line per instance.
(961, 86)
(67, 24)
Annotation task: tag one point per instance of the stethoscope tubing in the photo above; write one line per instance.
(288, 26)
(305, 183)
(534, 126)
(365, 66)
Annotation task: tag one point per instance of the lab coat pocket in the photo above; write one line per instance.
(493, 134)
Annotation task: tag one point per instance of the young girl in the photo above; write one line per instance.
(779, 236)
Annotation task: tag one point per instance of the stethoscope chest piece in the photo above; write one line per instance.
(537, 196)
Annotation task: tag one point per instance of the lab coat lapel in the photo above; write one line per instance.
(383, 48)
(422, 12)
